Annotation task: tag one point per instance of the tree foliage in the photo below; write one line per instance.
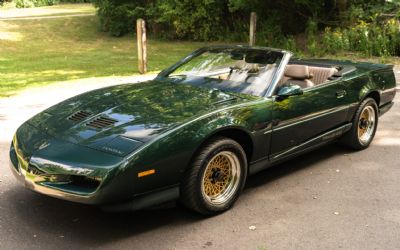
(279, 22)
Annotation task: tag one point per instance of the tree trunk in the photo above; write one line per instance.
(341, 6)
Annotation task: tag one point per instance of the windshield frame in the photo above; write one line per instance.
(275, 79)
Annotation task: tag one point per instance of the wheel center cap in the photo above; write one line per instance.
(364, 123)
(217, 175)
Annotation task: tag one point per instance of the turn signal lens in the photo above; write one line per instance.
(146, 173)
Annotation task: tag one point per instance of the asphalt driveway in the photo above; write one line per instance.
(329, 199)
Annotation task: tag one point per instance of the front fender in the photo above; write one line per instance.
(169, 154)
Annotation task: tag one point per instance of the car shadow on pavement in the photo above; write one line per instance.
(86, 225)
(296, 164)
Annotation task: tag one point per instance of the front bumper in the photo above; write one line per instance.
(37, 184)
(61, 169)
(51, 167)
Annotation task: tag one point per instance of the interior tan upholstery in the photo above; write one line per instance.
(299, 72)
(321, 74)
(306, 76)
(298, 75)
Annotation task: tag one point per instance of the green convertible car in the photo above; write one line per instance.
(199, 129)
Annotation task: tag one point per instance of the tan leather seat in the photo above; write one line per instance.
(321, 74)
(298, 75)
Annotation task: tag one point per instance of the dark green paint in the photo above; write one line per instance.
(162, 123)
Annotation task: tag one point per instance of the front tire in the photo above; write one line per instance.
(364, 126)
(214, 181)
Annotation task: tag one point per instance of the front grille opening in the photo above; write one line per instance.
(79, 116)
(77, 184)
(101, 122)
(85, 182)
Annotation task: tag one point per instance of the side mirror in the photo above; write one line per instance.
(289, 90)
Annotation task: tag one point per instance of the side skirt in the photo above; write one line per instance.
(385, 108)
(302, 148)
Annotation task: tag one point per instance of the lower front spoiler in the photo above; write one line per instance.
(28, 180)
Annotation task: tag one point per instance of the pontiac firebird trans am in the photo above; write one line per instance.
(197, 130)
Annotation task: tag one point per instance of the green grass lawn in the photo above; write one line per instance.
(9, 11)
(43, 51)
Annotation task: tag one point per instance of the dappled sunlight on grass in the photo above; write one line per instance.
(9, 32)
(14, 81)
(10, 36)
(67, 48)
(59, 9)
(60, 72)
(23, 77)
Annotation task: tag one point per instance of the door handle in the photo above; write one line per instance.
(340, 93)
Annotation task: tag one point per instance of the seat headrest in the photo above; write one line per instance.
(299, 72)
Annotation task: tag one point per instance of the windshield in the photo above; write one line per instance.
(248, 71)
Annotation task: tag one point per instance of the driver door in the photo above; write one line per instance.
(298, 119)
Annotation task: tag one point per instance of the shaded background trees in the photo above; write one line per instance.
(371, 27)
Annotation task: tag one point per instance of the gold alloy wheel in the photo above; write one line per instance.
(366, 125)
(221, 178)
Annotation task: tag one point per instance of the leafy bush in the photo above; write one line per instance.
(312, 36)
(118, 19)
(34, 3)
(75, 1)
(375, 38)
(38, 3)
(335, 41)
(2, 2)
(193, 19)
(24, 4)
(289, 43)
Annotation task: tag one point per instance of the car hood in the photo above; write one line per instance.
(132, 111)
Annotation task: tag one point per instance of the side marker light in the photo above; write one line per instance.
(146, 173)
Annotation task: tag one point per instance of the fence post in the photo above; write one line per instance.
(253, 23)
(142, 45)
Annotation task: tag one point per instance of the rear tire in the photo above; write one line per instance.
(213, 182)
(364, 126)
